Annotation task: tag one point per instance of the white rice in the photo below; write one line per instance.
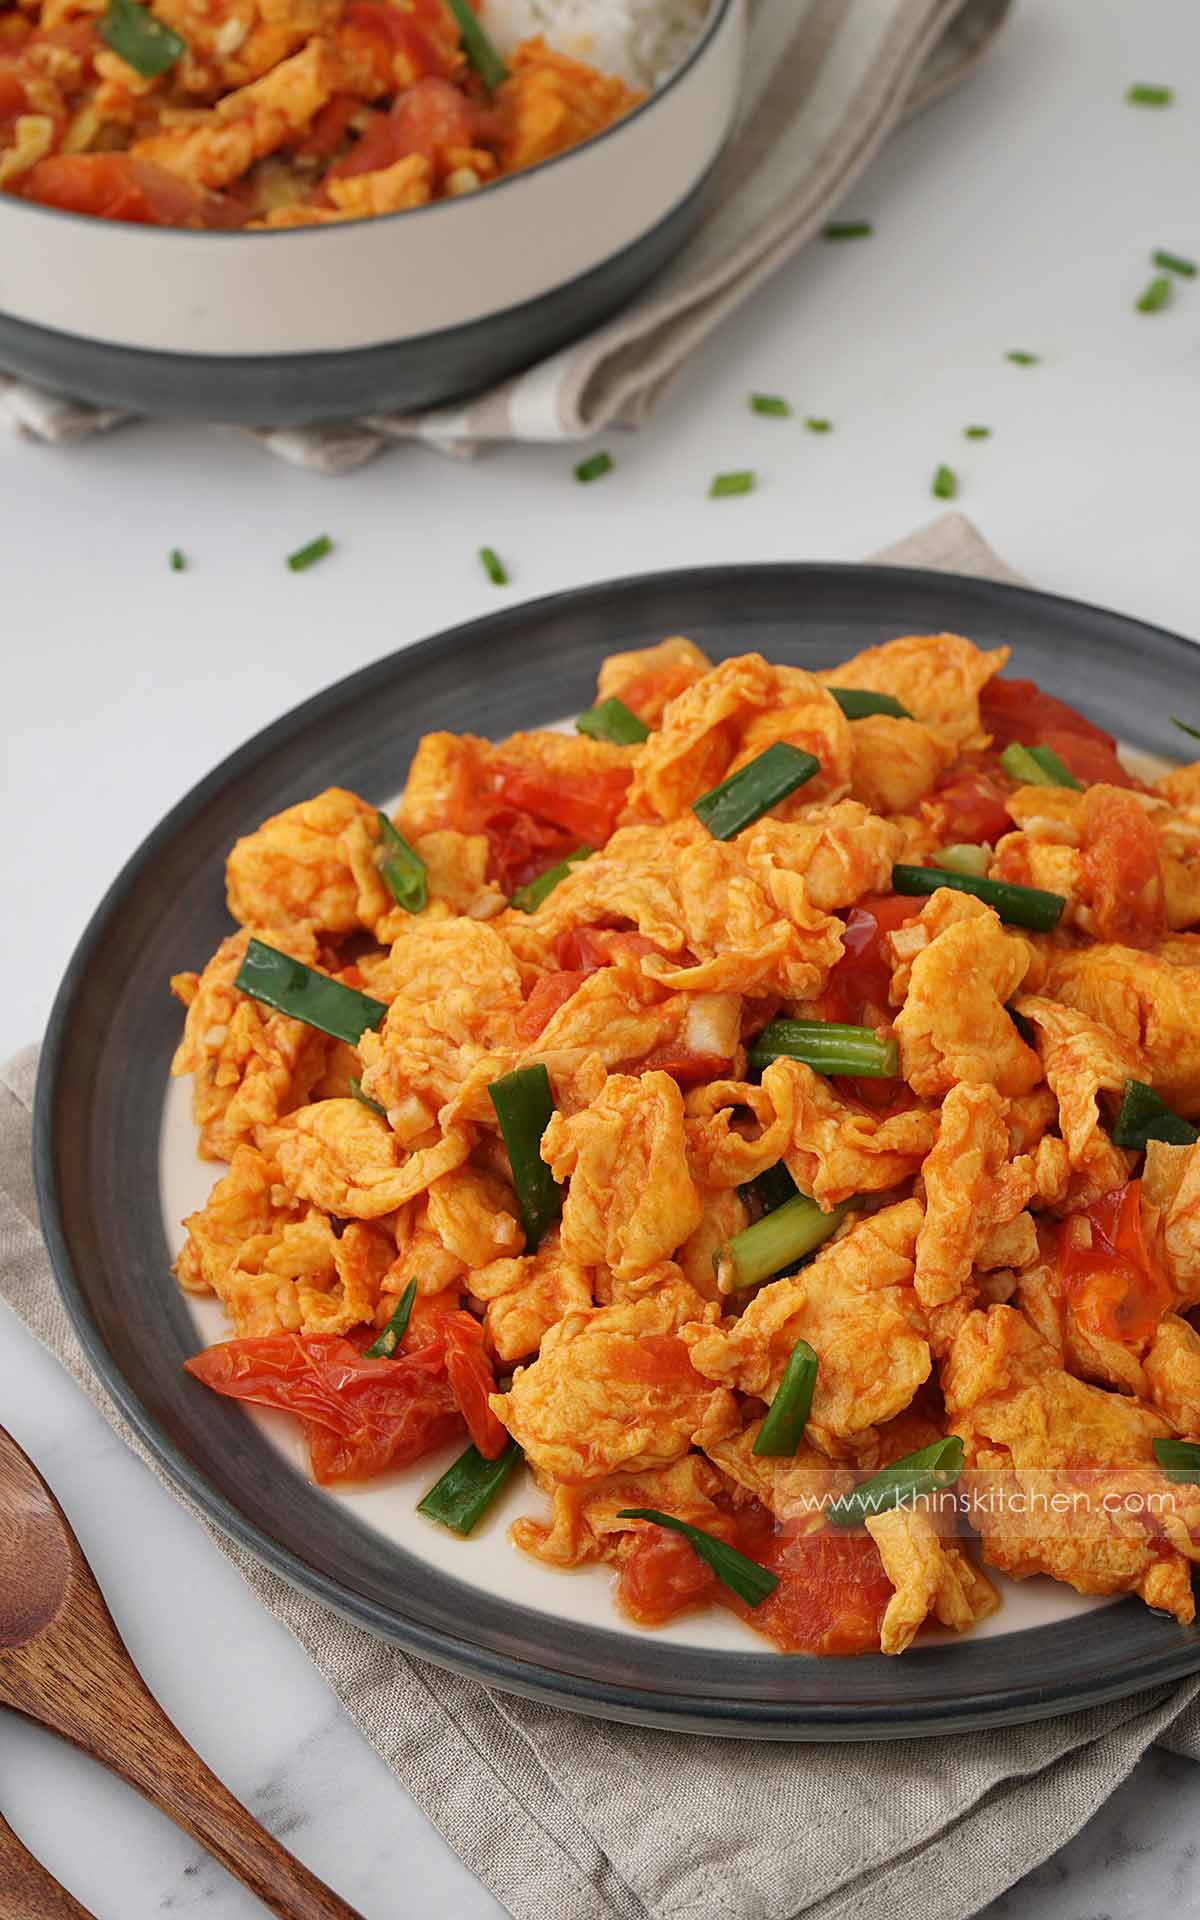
(642, 40)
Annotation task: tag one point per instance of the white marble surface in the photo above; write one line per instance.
(1019, 214)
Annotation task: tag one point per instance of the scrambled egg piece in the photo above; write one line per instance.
(838, 853)
(1144, 1001)
(896, 762)
(631, 1200)
(937, 676)
(584, 1524)
(343, 1158)
(524, 1297)
(1171, 1212)
(931, 1577)
(298, 871)
(954, 1025)
(972, 1189)
(648, 678)
(1172, 1370)
(1081, 1060)
(247, 124)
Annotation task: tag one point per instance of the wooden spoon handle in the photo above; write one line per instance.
(27, 1890)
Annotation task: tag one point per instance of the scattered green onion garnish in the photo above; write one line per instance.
(905, 1481)
(613, 720)
(1021, 358)
(466, 1490)
(477, 46)
(945, 483)
(1174, 263)
(773, 405)
(529, 898)
(827, 1048)
(493, 566)
(1023, 1024)
(816, 423)
(365, 1100)
(595, 465)
(783, 1236)
(309, 555)
(1143, 1116)
(726, 484)
(1179, 1460)
(1030, 907)
(1037, 767)
(303, 994)
(1058, 769)
(402, 871)
(742, 1576)
(143, 42)
(858, 704)
(385, 1346)
(1184, 727)
(964, 858)
(524, 1104)
(1156, 295)
(177, 560)
(848, 230)
(754, 789)
(977, 433)
(783, 1429)
(1141, 95)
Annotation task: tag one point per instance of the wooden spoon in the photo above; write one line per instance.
(27, 1891)
(63, 1663)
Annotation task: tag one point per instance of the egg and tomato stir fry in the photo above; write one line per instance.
(765, 1106)
(275, 113)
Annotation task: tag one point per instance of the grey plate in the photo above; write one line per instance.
(114, 1027)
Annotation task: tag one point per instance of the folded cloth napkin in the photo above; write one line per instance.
(826, 82)
(581, 1820)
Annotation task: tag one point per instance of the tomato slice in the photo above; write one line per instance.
(552, 991)
(1122, 876)
(856, 992)
(469, 1372)
(971, 808)
(1019, 710)
(583, 804)
(1113, 1282)
(115, 186)
(831, 1596)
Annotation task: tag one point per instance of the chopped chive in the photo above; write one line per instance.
(477, 45)
(385, 1346)
(964, 859)
(827, 1048)
(783, 1429)
(858, 704)
(1184, 727)
(734, 1570)
(466, 1490)
(847, 230)
(143, 42)
(493, 566)
(309, 555)
(1030, 907)
(1019, 764)
(725, 484)
(904, 1482)
(1023, 1024)
(1144, 1116)
(612, 720)
(524, 1104)
(177, 560)
(945, 483)
(1141, 95)
(772, 1189)
(1179, 1460)
(754, 789)
(778, 1240)
(977, 433)
(1058, 769)
(817, 424)
(303, 994)
(402, 871)
(1174, 263)
(592, 468)
(365, 1100)
(1156, 296)
(529, 898)
(773, 405)
(1021, 358)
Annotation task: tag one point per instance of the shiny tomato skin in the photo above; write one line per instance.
(970, 809)
(115, 186)
(552, 991)
(1121, 873)
(1114, 1284)
(472, 1380)
(584, 804)
(831, 1596)
(663, 1577)
(1018, 710)
(859, 983)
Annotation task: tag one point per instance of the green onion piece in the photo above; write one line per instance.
(827, 1048)
(466, 1490)
(772, 404)
(1141, 95)
(1021, 358)
(726, 484)
(772, 1189)
(524, 1104)
(742, 1576)
(776, 1241)
(142, 41)
(613, 720)
(403, 872)
(1156, 295)
(754, 789)
(783, 1429)
(303, 994)
(905, 1481)
(1143, 1116)
(1019, 764)
(977, 433)
(528, 899)
(365, 1100)
(1184, 727)
(816, 423)
(1179, 1460)
(308, 556)
(945, 483)
(1060, 772)
(1020, 906)
(847, 230)
(1174, 263)
(385, 1346)
(1023, 1024)
(964, 859)
(177, 560)
(593, 467)
(477, 45)
(857, 704)
(493, 566)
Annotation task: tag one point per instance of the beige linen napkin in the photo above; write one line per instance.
(826, 82)
(566, 1818)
